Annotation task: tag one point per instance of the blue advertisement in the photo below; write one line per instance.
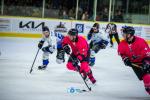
(80, 28)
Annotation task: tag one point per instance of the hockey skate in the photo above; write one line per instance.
(91, 64)
(111, 46)
(43, 67)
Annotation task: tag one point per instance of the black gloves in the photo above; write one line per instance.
(127, 61)
(40, 45)
(103, 46)
(75, 61)
(49, 49)
(67, 49)
(146, 65)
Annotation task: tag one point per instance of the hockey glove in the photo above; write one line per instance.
(146, 65)
(75, 63)
(49, 49)
(103, 44)
(67, 49)
(127, 61)
(96, 48)
(40, 45)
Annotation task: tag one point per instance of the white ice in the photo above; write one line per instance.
(114, 80)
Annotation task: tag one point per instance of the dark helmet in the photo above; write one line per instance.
(111, 23)
(45, 28)
(96, 25)
(73, 32)
(128, 30)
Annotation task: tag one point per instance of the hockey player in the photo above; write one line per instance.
(135, 53)
(47, 49)
(98, 41)
(111, 28)
(60, 57)
(80, 54)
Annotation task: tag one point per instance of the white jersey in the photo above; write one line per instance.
(111, 28)
(51, 40)
(97, 37)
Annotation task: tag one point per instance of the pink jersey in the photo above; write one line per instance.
(135, 51)
(78, 48)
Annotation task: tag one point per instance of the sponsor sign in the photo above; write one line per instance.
(32, 26)
(5, 25)
(80, 28)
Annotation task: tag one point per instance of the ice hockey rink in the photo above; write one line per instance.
(115, 81)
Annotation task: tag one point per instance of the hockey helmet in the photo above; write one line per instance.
(96, 25)
(45, 28)
(128, 30)
(73, 32)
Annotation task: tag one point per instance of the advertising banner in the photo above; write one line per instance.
(5, 25)
(34, 26)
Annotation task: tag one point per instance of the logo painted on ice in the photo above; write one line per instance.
(73, 90)
(80, 28)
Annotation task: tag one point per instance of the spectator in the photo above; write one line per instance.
(85, 15)
(80, 11)
(60, 13)
(98, 16)
(105, 14)
(65, 16)
(71, 13)
(36, 12)
(119, 16)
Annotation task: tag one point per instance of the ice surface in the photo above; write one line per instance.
(114, 80)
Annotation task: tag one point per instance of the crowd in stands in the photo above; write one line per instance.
(23, 7)
(63, 9)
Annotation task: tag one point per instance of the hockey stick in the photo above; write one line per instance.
(136, 65)
(34, 61)
(137, 70)
(89, 88)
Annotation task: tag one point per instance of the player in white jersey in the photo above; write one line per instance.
(98, 40)
(49, 49)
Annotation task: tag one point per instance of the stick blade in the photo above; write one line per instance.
(30, 71)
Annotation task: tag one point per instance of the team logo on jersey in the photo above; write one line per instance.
(145, 48)
(80, 27)
(61, 28)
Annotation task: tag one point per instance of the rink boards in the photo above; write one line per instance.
(31, 27)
